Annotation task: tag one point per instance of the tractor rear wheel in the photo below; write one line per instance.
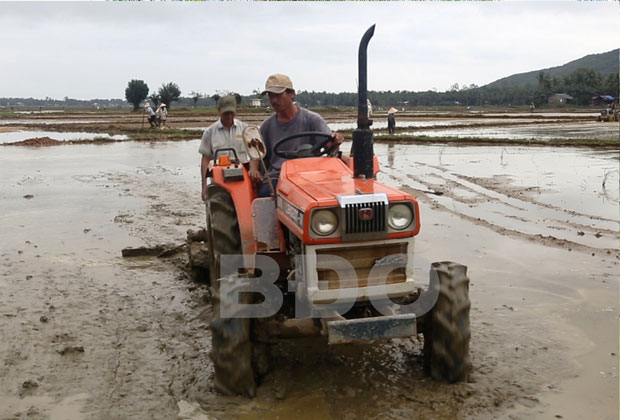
(231, 346)
(231, 349)
(222, 231)
(447, 332)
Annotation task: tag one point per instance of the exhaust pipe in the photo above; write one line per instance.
(362, 136)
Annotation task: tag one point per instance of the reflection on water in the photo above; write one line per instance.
(39, 121)
(566, 193)
(44, 111)
(564, 130)
(15, 136)
(437, 122)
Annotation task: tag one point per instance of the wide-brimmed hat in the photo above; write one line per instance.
(162, 105)
(227, 104)
(146, 105)
(277, 83)
(392, 110)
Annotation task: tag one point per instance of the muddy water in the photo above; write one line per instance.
(547, 131)
(16, 122)
(15, 136)
(568, 194)
(45, 111)
(406, 123)
(87, 334)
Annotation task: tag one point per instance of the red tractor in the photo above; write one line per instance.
(329, 254)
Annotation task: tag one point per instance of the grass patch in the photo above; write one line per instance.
(148, 134)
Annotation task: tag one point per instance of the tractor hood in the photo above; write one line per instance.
(319, 181)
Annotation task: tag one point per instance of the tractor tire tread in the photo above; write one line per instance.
(231, 351)
(447, 337)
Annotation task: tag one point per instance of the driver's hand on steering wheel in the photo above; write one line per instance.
(339, 138)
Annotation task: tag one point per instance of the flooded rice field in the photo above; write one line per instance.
(87, 334)
(42, 111)
(10, 125)
(17, 136)
(574, 195)
(541, 132)
(404, 123)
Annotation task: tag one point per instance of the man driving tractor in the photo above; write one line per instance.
(287, 120)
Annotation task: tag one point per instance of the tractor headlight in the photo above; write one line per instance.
(400, 216)
(324, 222)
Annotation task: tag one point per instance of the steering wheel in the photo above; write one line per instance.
(306, 150)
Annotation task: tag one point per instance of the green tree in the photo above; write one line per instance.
(155, 99)
(136, 92)
(216, 97)
(169, 93)
(612, 85)
(582, 84)
(195, 97)
(238, 98)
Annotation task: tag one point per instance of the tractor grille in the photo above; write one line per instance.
(354, 223)
(391, 257)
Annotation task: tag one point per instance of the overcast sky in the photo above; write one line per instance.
(87, 50)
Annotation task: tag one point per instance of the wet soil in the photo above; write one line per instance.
(88, 334)
(444, 125)
(38, 141)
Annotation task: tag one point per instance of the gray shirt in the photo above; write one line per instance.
(272, 130)
(216, 136)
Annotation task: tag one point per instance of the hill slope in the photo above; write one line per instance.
(604, 63)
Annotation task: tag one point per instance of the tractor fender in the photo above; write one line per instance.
(242, 194)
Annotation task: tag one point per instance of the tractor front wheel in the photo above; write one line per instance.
(446, 331)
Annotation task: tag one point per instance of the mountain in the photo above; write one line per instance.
(605, 63)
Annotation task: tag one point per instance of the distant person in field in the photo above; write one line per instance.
(391, 120)
(151, 114)
(225, 133)
(162, 115)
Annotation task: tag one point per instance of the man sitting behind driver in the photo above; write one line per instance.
(225, 133)
(287, 120)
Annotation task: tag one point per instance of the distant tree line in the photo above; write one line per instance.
(582, 85)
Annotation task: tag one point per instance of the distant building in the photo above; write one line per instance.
(602, 100)
(255, 103)
(560, 99)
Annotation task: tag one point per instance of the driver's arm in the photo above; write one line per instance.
(254, 171)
